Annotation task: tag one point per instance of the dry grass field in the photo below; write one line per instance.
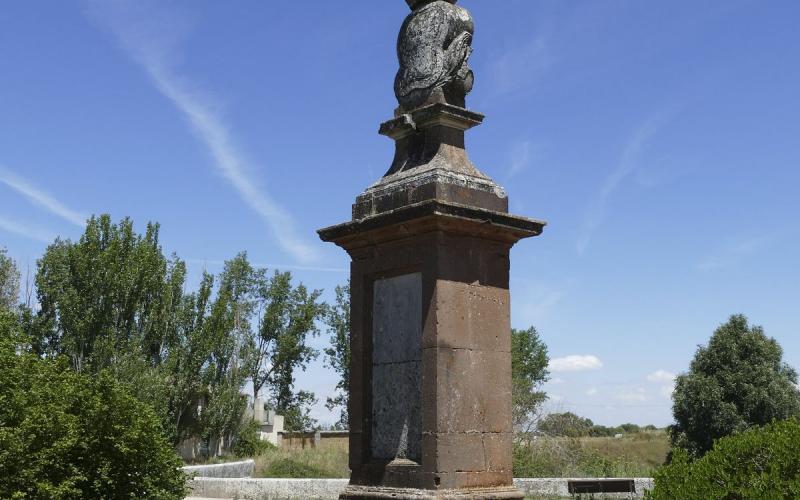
(633, 455)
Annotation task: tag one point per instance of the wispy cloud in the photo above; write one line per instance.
(665, 379)
(535, 300)
(151, 37)
(592, 392)
(521, 155)
(638, 395)
(661, 376)
(733, 253)
(521, 65)
(27, 231)
(575, 363)
(40, 198)
(628, 162)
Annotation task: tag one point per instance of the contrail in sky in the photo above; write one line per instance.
(629, 161)
(149, 37)
(41, 198)
(26, 231)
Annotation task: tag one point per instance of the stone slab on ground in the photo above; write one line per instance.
(329, 489)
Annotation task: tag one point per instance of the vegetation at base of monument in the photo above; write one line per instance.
(337, 356)
(65, 434)
(633, 455)
(112, 302)
(737, 382)
(758, 463)
(303, 463)
(528, 372)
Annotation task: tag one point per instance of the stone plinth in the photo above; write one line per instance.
(430, 388)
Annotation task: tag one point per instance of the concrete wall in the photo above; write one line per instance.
(329, 489)
(242, 469)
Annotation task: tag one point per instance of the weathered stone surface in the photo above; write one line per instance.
(470, 316)
(396, 367)
(433, 48)
(330, 489)
(473, 390)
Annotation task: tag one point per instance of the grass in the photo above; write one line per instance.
(635, 455)
(298, 463)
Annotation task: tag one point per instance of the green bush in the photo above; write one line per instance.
(248, 443)
(286, 467)
(759, 463)
(66, 435)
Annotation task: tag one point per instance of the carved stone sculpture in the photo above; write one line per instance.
(433, 47)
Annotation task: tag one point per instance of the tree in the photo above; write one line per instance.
(110, 290)
(113, 301)
(338, 354)
(528, 372)
(65, 434)
(738, 381)
(280, 345)
(9, 281)
(566, 424)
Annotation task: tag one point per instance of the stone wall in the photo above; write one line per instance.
(329, 489)
(243, 469)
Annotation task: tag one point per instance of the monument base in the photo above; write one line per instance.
(381, 493)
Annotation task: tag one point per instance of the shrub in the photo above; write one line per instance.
(759, 463)
(565, 424)
(286, 467)
(248, 442)
(67, 435)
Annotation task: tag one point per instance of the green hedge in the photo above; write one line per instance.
(763, 462)
(64, 435)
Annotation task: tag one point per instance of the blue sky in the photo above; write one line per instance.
(660, 141)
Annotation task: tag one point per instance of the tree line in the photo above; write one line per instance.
(112, 302)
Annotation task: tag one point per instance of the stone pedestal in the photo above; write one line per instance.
(430, 388)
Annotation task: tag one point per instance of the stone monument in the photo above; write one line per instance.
(430, 386)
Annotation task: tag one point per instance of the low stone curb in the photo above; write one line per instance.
(329, 489)
(241, 469)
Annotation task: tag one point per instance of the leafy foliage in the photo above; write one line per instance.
(112, 301)
(248, 442)
(68, 435)
(281, 345)
(528, 372)
(738, 381)
(111, 289)
(565, 424)
(758, 463)
(9, 281)
(338, 354)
